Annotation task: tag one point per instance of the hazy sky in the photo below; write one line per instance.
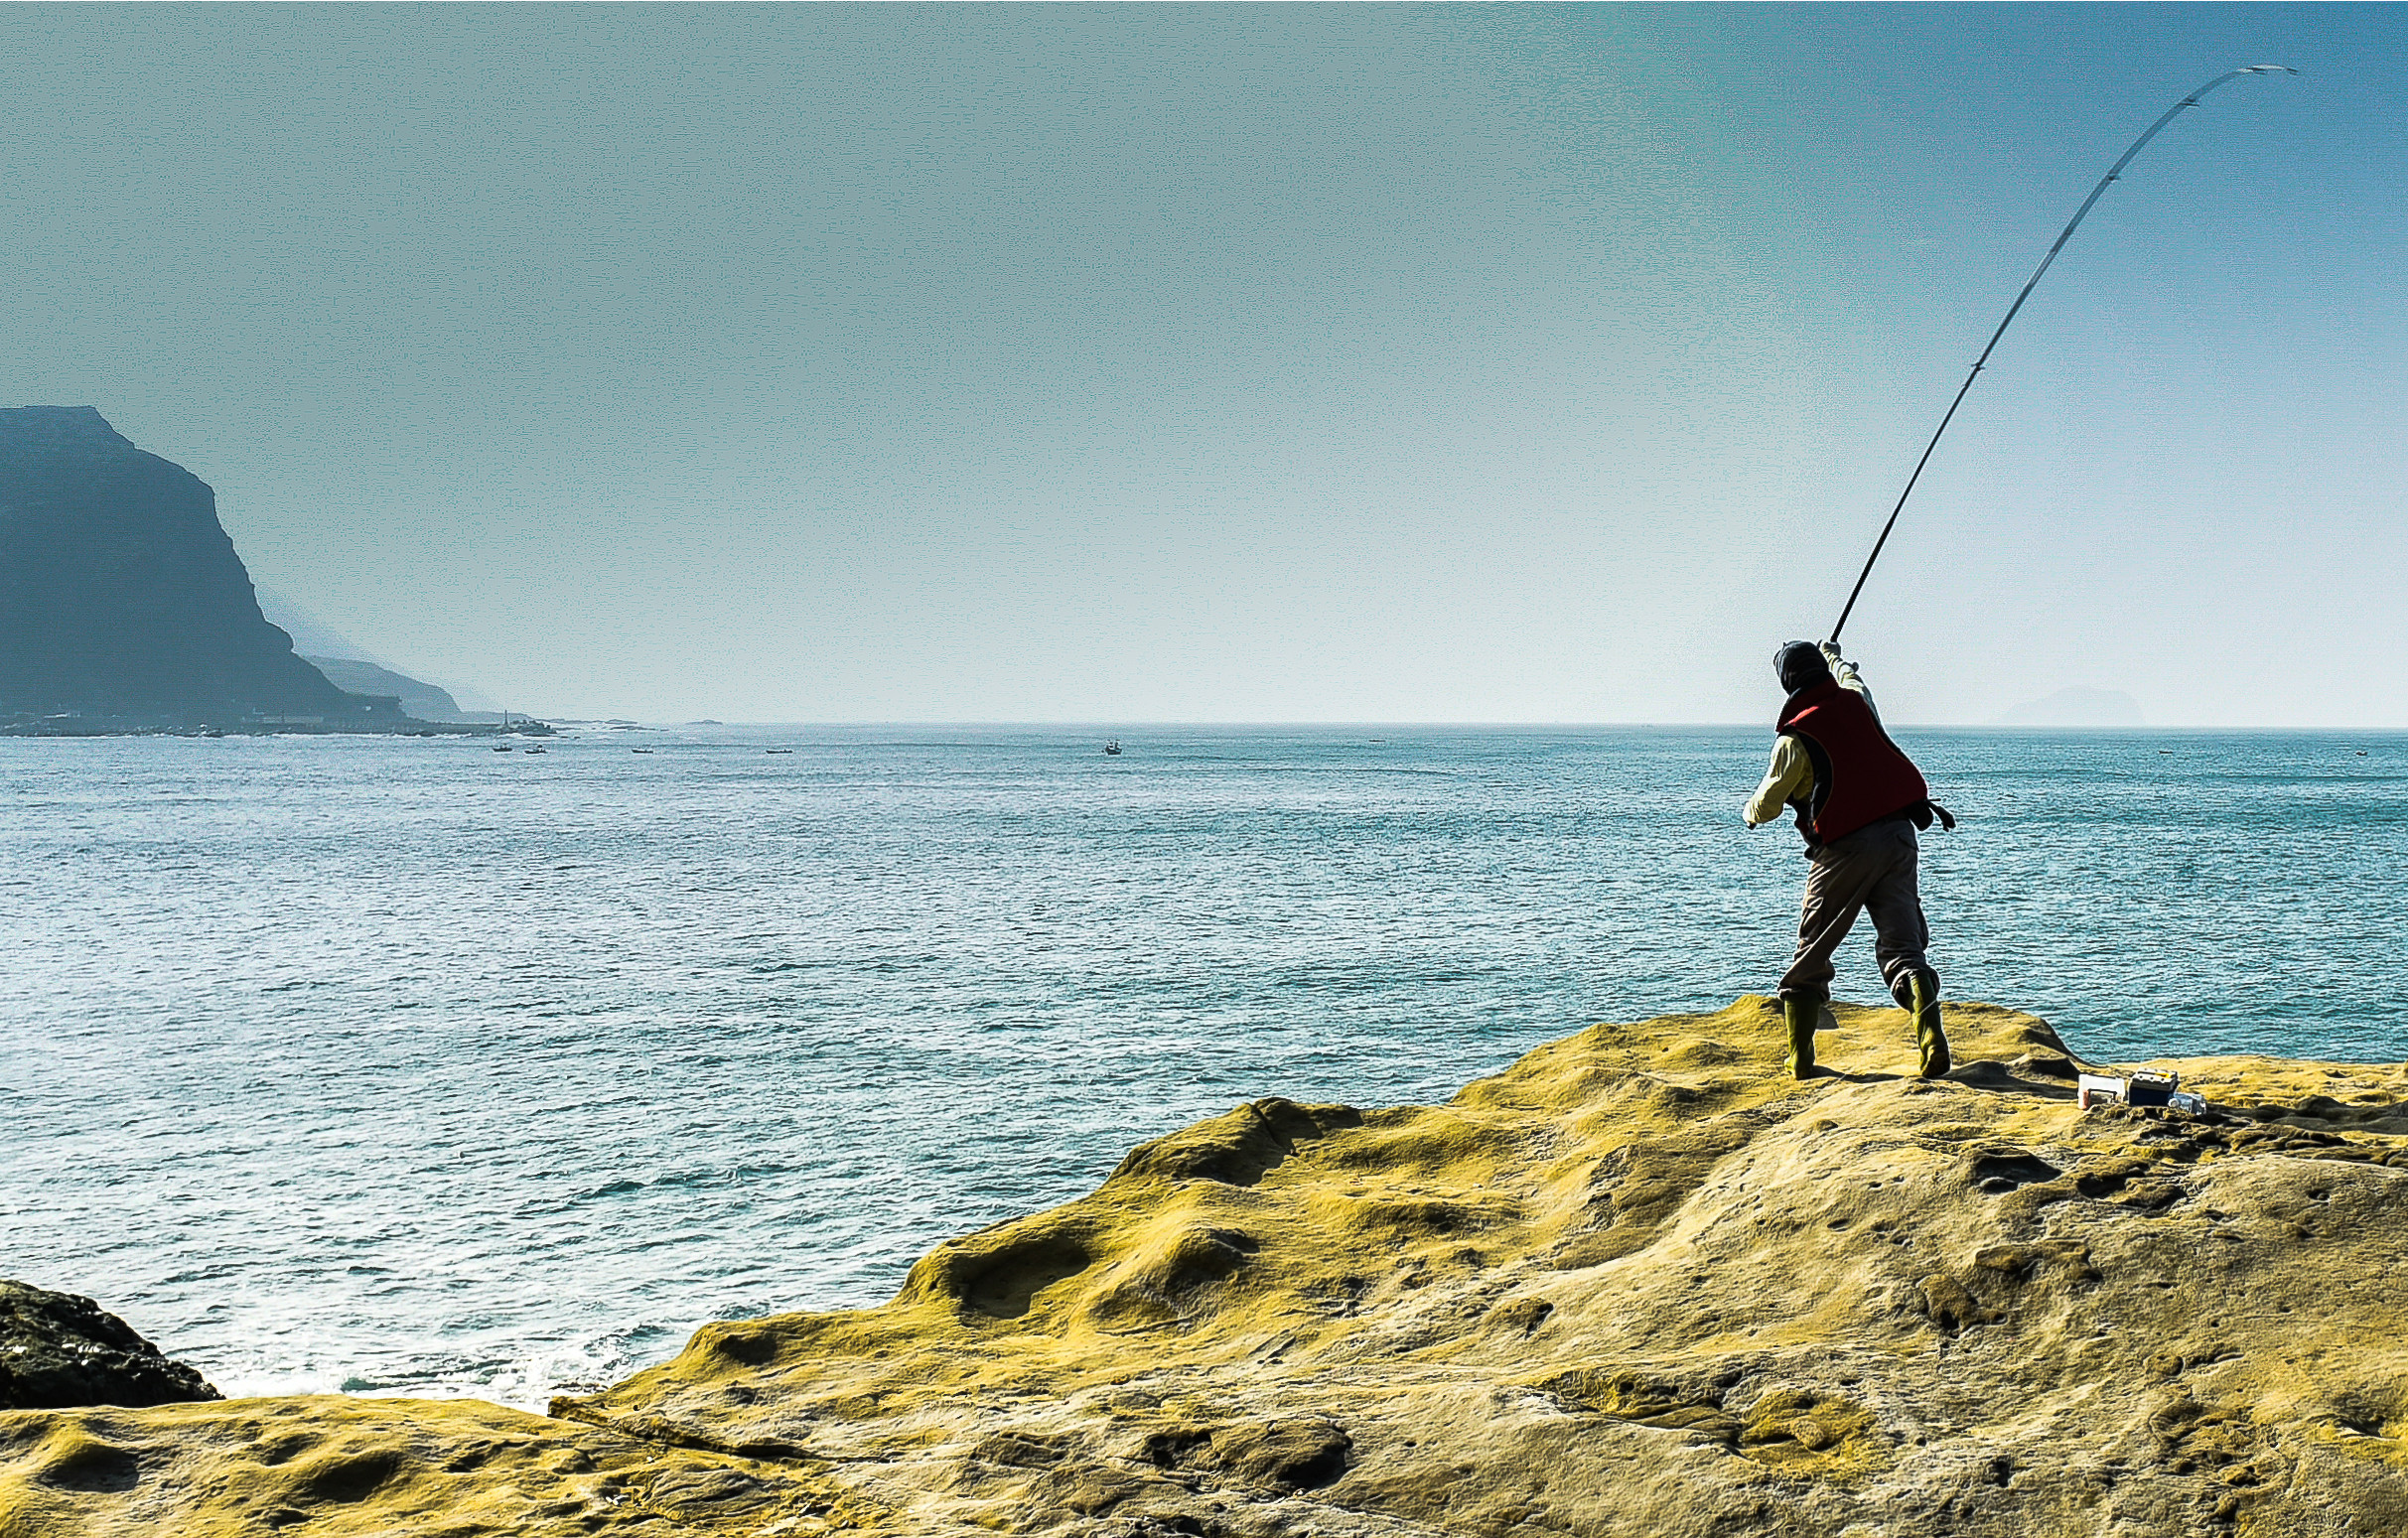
(1250, 364)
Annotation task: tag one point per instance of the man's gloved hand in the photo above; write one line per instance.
(1830, 650)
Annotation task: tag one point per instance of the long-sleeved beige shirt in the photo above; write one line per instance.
(1792, 773)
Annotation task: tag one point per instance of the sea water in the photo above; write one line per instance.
(407, 1065)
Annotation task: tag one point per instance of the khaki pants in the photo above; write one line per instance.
(1872, 868)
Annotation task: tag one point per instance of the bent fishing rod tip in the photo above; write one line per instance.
(2114, 173)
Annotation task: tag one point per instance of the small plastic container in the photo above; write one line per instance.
(2098, 1089)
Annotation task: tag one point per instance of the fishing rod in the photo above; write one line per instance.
(2113, 173)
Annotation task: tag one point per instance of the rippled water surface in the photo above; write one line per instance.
(407, 1064)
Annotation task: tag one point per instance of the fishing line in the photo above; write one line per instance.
(2113, 171)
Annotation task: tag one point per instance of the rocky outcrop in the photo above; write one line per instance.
(122, 602)
(1637, 1284)
(59, 1350)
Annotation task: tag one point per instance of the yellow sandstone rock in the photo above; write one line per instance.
(1639, 1284)
(327, 1464)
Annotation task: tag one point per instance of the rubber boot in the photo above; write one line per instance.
(1928, 1037)
(1800, 1015)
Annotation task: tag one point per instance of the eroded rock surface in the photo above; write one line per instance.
(355, 1467)
(1637, 1284)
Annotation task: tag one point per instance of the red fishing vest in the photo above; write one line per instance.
(1860, 777)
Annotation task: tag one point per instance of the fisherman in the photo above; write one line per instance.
(1859, 801)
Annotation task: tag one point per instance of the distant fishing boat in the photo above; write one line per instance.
(1113, 748)
(777, 750)
(539, 750)
(503, 748)
(640, 749)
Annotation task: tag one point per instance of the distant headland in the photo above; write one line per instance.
(124, 607)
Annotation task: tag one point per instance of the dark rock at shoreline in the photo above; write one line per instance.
(59, 1350)
(122, 600)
